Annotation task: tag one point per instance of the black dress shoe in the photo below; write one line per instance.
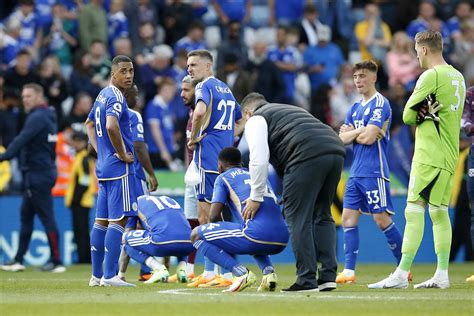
(299, 288)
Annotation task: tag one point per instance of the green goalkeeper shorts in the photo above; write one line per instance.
(430, 184)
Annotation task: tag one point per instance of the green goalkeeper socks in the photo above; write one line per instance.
(414, 228)
(442, 234)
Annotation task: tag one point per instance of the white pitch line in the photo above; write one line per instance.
(363, 295)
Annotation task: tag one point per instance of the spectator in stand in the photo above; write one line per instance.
(238, 80)
(373, 35)
(158, 67)
(402, 64)
(193, 40)
(123, 46)
(342, 96)
(43, 11)
(231, 10)
(147, 42)
(233, 44)
(31, 36)
(100, 63)
(426, 13)
(8, 116)
(463, 54)
(147, 12)
(81, 77)
(309, 26)
(53, 83)
(92, 24)
(266, 75)
(288, 60)
(337, 14)
(324, 60)
(117, 24)
(22, 73)
(80, 109)
(287, 12)
(61, 39)
(160, 125)
(398, 97)
(9, 45)
(463, 13)
(177, 17)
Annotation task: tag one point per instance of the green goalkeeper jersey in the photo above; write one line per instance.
(438, 146)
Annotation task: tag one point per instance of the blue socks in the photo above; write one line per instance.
(113, 239)
(264, 264)
(351, 246)
(216, 255)
(97, 249)
(394, 239)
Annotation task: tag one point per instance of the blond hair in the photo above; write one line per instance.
(432, 39)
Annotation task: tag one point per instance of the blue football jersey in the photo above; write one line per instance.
(233, 188)
(136, 127)
(288, 55)
(222, 111)
(164, 218)
(371, 160)
(111, 102)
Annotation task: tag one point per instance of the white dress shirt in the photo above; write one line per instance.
(256, 134)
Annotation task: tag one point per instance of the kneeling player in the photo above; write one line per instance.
(166, 234)
(266, 234)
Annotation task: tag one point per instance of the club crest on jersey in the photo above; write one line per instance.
(377, 115)
(101, 99)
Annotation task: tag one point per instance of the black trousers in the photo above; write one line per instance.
(80, 225)
(37, 200)
(308, 191)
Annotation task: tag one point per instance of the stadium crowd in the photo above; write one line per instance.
(297, 52)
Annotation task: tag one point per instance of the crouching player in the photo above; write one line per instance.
(266, 234)
(166, 233)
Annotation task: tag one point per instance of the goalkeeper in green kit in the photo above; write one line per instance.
(435, 107)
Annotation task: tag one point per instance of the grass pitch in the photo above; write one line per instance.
(39, 293)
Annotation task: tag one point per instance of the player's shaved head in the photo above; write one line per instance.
(433, 40)
(230, 157)
(131, 94)
(120, 59)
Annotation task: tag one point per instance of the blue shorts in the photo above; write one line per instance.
(368, 195)
(230, 237)
(142, 240)
(116, 199)
(141, 188)
(205, 189)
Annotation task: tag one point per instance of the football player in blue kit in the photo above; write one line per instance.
(142, 163)
(108, 128)
(216, 120)
(166, 233)
(265, 234)
(367, 127)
